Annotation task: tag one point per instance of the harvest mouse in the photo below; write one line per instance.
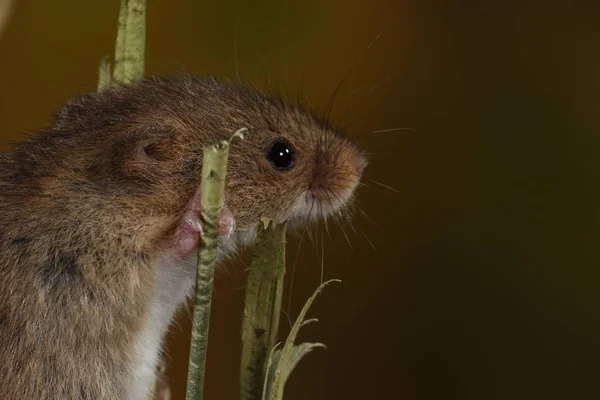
(99, 222)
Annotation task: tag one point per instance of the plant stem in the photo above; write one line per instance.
(214, 168)
(262, 307)
(131, 39)
(6, 7)
(211, 200)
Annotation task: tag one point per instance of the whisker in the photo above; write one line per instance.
(298, 255)
(371, 89)
(284, 25)
(310, 237)
(317, 248)
(391, 130)
(351, 225)
(369, 240)
(360, 210)
(346, 236)
(342, 171)
(329, 106)
(332, 98)
(235, 47)
(374, 41)
(345, 209)
(287, 315)
(322, 257)
(327, 228)
(381, 154)
(386, 186)
(188, 311)
(339, 223)
(285, 211)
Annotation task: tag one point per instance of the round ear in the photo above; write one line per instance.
(134, 162)
(146, 152)
(156, 149)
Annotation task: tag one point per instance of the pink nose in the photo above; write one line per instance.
(359, 170)
(360, 165)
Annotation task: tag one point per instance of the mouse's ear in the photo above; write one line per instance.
(147, 151)
(159, 148)
(134, 160)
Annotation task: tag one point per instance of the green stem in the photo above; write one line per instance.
(6, 7)
(262, 308)
(214, 168)
(131, 39)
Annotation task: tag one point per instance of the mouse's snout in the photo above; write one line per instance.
(337, 173)
(360, 163)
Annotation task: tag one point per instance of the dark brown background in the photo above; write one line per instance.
(485, 282)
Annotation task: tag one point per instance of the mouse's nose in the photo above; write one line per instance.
(360, 163)
(338, 173)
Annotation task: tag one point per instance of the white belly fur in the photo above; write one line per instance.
(175, 281)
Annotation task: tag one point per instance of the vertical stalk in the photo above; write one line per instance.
(262, 308)
(131, 39)
(211, 199)
(6, 7)
(129, 57)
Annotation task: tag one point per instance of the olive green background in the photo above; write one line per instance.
(484, 283)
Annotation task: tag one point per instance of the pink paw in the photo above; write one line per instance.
(187, 235)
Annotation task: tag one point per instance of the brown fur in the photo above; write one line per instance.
(88, 206)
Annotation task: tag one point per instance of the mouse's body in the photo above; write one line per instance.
(99, 223)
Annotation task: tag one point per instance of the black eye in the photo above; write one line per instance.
(281, 155)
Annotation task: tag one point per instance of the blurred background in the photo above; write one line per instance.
(475, 274)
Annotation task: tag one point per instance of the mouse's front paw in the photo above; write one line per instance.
(187, 234)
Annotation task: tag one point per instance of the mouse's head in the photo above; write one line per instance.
(291, 165)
